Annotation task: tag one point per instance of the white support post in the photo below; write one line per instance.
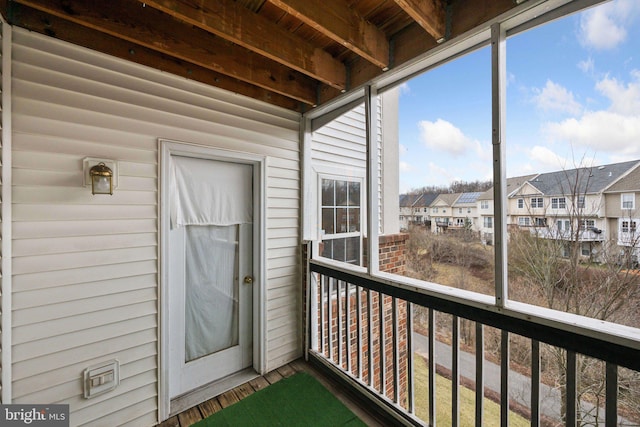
(373, 217)
(307, 203)
(312, 308)
(498, 101)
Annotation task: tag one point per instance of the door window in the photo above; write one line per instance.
(211, 293)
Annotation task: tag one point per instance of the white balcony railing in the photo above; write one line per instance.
(629, 239)
(587, 235)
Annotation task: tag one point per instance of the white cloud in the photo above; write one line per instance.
(604, 27)
(625, 99)
(405, 167)
(587, 66)
(443, 136)
(434, 169)
(404, 88)
(603, 131)
(546, 159)
(556, 98)
(523, 169)
(440, 175)
(402, 149)
(484, 152)
(615, 130)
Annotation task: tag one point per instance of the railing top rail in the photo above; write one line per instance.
(606, 341)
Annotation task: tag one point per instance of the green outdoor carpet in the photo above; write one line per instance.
(299, 400)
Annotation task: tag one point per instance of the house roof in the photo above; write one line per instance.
(426, 200)
(421, 200)
(408, 200)
(292, 53)
(627, 182)
(467, 198)
(447, 199)
(588, 180)
(512, 184)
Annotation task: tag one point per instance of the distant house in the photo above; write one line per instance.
(414, 209)
(485, 208)
(623, 213)
(464, 211)
(568, 205)
(586, 205)
(442, 211)
(408, 212)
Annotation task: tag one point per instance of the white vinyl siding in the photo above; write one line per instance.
(339, 148)
(342, 142)
(85, 285)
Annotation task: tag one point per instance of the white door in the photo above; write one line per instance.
(210, 284)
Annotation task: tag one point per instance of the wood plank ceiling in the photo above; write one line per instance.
(292, 53)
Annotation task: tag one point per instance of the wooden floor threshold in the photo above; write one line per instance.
(228, 398)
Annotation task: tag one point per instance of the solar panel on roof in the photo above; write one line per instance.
(469, 197)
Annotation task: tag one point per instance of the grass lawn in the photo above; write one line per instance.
(443, 401)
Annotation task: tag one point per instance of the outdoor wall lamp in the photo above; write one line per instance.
(101, 175)
(101, 179)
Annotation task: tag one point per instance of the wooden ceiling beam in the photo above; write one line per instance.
(62, 29)
(467, 14)
(429, 14)
(412, 41)
(121, 19)
(234, 22)
(336, 20)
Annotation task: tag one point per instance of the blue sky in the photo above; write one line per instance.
(573, 99)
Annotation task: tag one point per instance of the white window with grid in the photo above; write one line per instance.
(558, 203)
(588, 223)
(541, 222)
(537, 202)
(341, 200)
(629, 226)
(524, 221)
(628, 201)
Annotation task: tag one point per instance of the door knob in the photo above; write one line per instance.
(248, 280)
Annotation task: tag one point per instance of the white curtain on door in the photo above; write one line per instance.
(211, 198)
(209, 192)
(211, 303)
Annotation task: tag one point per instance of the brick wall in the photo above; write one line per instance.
(393, 252)
(341, 309)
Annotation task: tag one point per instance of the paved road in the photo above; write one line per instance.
(519, 385)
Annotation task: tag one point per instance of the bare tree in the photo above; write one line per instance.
(549, 267)
(454, 187)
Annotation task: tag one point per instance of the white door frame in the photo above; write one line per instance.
(167, 148)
